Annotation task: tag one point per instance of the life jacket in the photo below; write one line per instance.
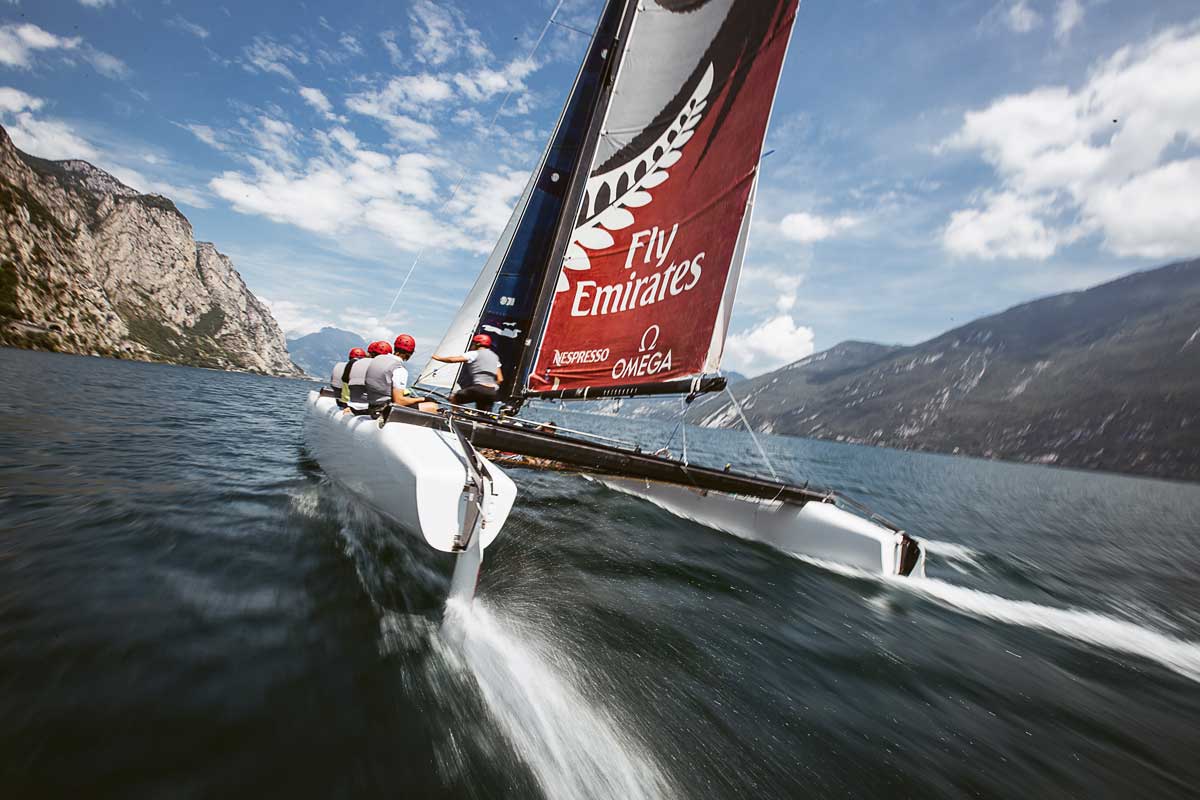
(335, 380)
(356, 385)
(346, 367)
(379, 378)
(482, 370)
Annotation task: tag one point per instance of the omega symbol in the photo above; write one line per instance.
(653, 342)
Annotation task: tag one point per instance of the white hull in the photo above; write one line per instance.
(815, 530)
(411, 474)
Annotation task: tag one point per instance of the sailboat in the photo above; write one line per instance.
(615, 277)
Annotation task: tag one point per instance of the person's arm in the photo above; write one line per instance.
(499, 376)
(408, 400)
(451, 359)
(400, 395)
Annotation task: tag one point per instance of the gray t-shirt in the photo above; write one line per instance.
(379, 378)
(480, 368)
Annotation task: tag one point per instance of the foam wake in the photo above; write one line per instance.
(575, 750)
(952, 553)
(1089, 627)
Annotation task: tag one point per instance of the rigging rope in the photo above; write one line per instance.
(487, 132)
(746, 422)
(683, 429)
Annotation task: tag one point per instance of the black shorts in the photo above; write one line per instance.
(484, 397)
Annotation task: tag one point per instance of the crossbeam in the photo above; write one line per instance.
(517, 437)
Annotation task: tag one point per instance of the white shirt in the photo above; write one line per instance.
(400, 379)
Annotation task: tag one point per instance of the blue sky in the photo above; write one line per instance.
(933, 161)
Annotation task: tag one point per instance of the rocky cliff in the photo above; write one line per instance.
(1106, 378)
(89, 265)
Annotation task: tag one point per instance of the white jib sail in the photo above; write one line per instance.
(437, 374)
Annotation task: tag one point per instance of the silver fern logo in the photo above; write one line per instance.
(630, 185)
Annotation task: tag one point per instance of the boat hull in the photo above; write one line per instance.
(813, 529)
(414, 475)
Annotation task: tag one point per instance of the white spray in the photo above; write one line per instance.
(575, 750)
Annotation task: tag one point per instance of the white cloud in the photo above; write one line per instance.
(768, 345)
(1015, 16)
(178, 22)
(487, 203)
(483, 83)
(1155, 214)
(350, 44)
(14, 100)
(805, 227)
(1008, 226)
(301, 319)
(136, 180)
(97, 3)
(275, 138)
(408, 93)
(56, 140)
(1066, 18)
(107, 65)
(48, 138)
(404, 92)
(317, 99)
(404, 127)
(407, 103)
(206, 134)
(17, 42)
(440, 33)
(1070, 162)
(266, 55)
(298, 319)
(349, 187)
(393, 49)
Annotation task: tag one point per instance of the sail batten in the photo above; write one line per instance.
(645, 289)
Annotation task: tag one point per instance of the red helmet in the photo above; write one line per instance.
(379, 348)
(356, 352)
(405, 344)
(482, 339)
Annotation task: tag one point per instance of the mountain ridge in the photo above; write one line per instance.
(1103, 378)
(317, 352)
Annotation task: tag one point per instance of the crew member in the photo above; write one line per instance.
(341, 375)
(480, 378)
(387, 377)
(356, 380)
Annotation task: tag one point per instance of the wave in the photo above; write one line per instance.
(307, 503)
(1090, 627)
(575, 750)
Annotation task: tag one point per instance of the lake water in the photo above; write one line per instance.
(189, 608)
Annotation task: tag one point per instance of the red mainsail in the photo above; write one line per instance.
(647, 282)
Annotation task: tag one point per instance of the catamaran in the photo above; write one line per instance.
(615, 277)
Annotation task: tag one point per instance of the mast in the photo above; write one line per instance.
(564, 230)
(504, 299)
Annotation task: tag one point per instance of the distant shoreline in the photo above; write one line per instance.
(156, 362)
